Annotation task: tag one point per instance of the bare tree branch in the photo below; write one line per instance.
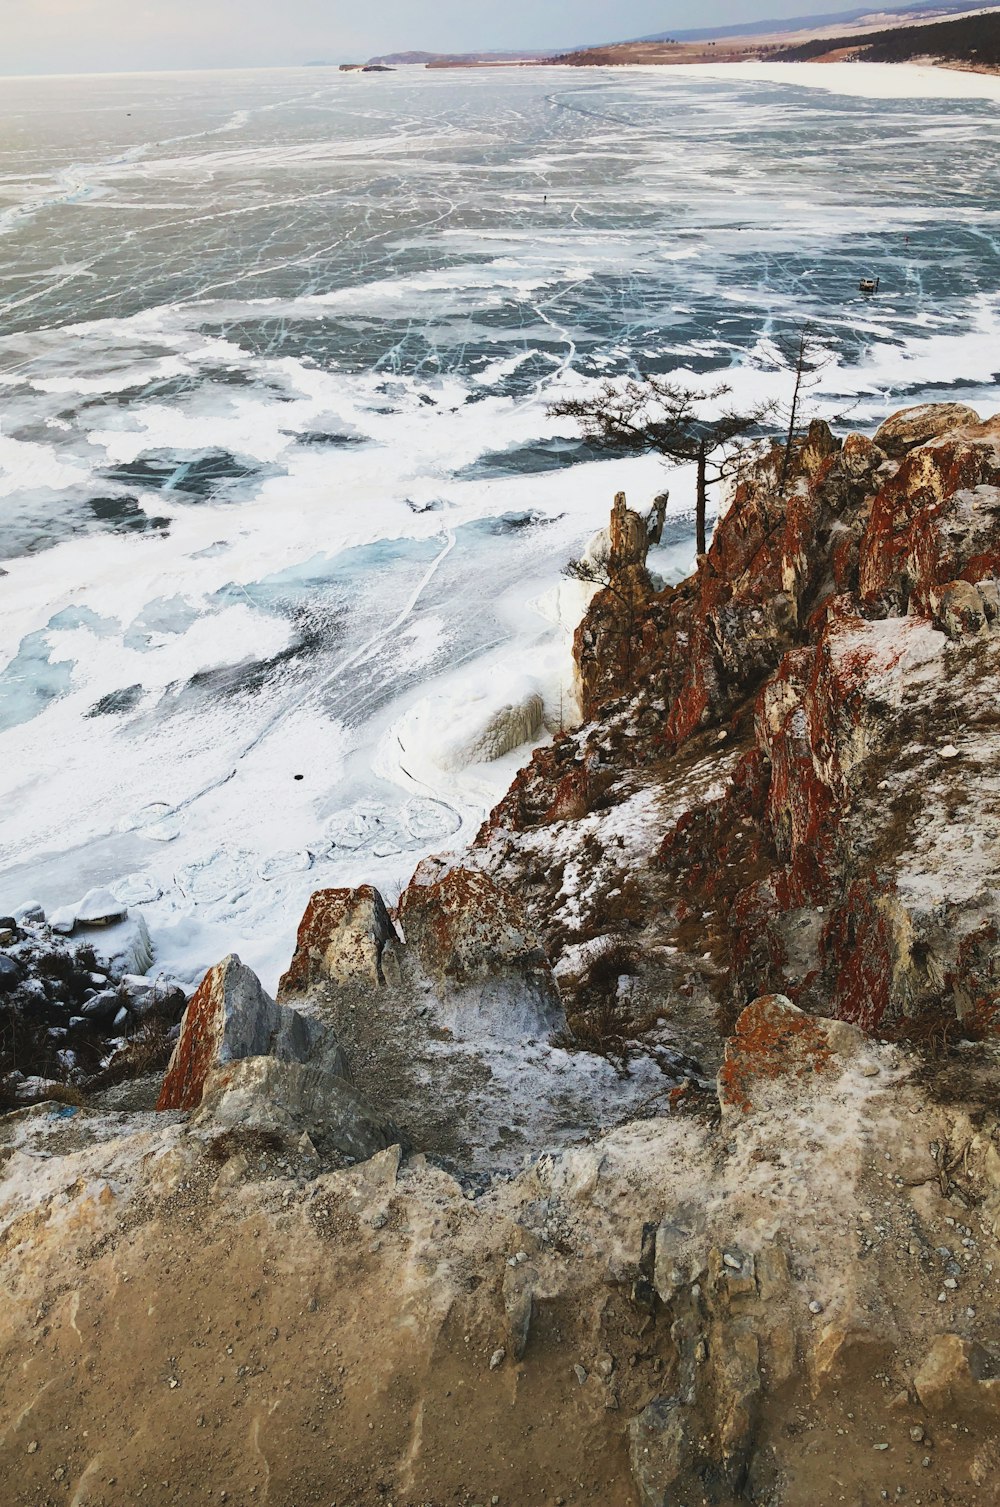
(652, 413)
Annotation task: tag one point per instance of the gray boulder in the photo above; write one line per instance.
(101, 1007)
(242, 1059)
(669, 1460)
(153, 998)
(295, 1098)
(10, 974)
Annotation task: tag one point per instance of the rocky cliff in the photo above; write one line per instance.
(648, 1152)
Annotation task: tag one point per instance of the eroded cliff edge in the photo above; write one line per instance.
(649, 1152)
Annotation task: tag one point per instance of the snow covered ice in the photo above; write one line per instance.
(282, 515)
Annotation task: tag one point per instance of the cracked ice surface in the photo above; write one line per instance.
(278, 492)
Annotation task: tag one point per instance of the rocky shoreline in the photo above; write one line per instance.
(648, 1152)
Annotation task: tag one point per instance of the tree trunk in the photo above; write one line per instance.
(700, 502)
(793, 417)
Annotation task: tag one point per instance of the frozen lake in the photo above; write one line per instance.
(281, 513)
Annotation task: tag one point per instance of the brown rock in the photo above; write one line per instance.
(861, 456)
(961, 611)
(910, 427)
(956, 1376)
(671, 1458)
(341, 938)
(627, 536)
(776, 1044)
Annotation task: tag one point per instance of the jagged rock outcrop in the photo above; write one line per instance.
(838, 648)
(471, 974)
(468, 948)
(342, 937)
(609, 640)
(730, 1237)
(473, 940)
(243, 1060)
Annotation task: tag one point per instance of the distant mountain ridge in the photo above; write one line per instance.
(923, 10)
(874, 18)
(973, 41)
(393, 59)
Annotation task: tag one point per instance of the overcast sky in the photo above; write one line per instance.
(56, 36)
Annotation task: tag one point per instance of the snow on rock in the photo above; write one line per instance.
(473, 940)
(452, 731)
(100, 908)
(123, 946)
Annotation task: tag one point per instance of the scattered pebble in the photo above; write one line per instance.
(497, 1358)
(815, 1306)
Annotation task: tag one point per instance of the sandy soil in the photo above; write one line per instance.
(192, 1317)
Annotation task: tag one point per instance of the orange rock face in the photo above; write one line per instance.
(846, 626)
(197, 1047)
(773, 1041)
(342, 936)
(934, 521)
(464, 927)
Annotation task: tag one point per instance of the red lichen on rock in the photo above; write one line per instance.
(835, 605)
(861, 950)
(928, 526)
(197, 1046)
(772, 1040)
(341, 936)
(462, 926)
(975, 982)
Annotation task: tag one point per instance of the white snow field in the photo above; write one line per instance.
(282, 514)
(922, 81)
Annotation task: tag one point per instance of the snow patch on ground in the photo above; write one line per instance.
(860, 80)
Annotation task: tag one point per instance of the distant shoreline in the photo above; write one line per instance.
(831, 74)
